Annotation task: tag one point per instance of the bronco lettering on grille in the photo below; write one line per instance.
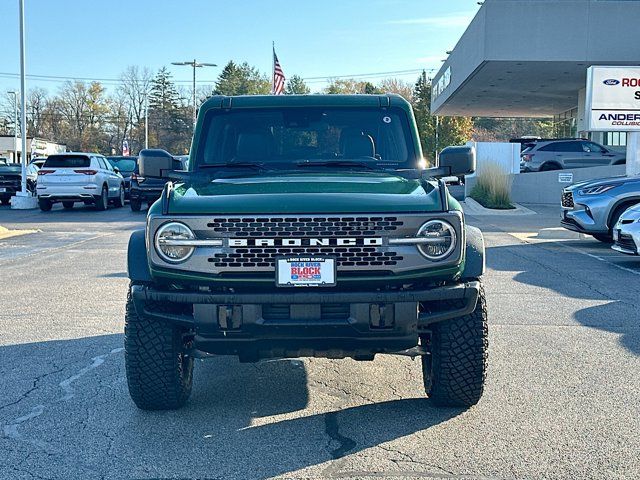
(304, 242)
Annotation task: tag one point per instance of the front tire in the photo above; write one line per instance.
(135, 205)
(67, 205)
(455, 371)
(102, 200)
(159, 373)
(45, 205)
(119, 202)
(603, 238)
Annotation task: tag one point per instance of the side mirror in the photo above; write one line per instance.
(155, 163)
(459, 160)
(116, 169)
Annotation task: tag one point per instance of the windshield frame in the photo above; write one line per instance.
(287, 165)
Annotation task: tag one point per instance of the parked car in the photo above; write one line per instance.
(626, 233)
(11, 180)
(559, 154)
(594, 207)
(148, 190)
(38, 161)
(126, 166)
(79, 177)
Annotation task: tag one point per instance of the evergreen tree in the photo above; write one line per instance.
(241, 79)
(296, 85)
(169, 117)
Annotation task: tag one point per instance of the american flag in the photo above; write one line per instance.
(278, 76)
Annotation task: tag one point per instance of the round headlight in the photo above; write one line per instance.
(441, 239)
(168, 242)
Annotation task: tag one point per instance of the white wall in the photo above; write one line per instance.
(507, 155)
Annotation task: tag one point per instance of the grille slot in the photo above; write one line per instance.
(346, 256)
(279, 312)
(304, 226)
(626, 241)
(567, 199)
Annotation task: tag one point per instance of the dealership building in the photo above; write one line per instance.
(529, 58)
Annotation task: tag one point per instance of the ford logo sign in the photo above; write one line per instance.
(611, 81)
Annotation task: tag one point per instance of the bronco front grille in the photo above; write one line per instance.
(304, 226)
(346, 256)
(567, 199)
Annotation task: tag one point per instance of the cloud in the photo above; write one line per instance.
(461, 19)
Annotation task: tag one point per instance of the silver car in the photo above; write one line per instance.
(626, 233)
(594, 207)
(561, 154)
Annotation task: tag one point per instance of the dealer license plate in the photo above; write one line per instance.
(306, 272)
(2, 189)
(616, 235)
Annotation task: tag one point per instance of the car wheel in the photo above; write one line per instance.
(454, 371)
(159, 372)
(603, 238)
(547, 167)
(6, 201)
(102, 201)
(119, 202)
(135, 205)
(67, 205)
(45, 205)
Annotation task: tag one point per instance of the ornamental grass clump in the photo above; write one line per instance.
(493, 187)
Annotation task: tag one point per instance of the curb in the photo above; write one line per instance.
(473, 208)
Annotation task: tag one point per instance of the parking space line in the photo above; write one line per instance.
(602, 259)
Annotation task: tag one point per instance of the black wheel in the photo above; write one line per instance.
(455, 370)
(135, 205)
(67, 205)
(6, 201)
(45, 205)
(547, 167)
(603, 238)
(102, 200)
(159, 373)
(615, 216)
(119, 202)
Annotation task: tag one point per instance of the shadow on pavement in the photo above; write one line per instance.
(577, 276)
(242, 421)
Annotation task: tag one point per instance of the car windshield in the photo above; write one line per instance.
(124, 165)
(67, 161)
(285, 137)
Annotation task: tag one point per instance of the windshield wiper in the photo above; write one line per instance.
(254, 166)
(339, 163)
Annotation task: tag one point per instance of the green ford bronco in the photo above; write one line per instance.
(306, 225)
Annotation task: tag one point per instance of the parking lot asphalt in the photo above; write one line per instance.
(561, 399)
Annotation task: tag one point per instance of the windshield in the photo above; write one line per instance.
(283, 137)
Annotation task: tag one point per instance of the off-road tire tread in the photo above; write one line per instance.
(458, 363)
(158, 379)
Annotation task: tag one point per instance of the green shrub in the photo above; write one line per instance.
(493, 187)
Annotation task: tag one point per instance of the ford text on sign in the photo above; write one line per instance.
(613, 98)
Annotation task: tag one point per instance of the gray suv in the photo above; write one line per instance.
(594, 207)
(572, 153)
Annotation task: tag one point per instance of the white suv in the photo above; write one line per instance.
(79, 177)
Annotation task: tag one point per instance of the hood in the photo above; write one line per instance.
(11, 170)
(605, 181)
(312, 192)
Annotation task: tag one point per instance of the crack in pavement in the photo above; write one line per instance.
(34, 386)
(332, 429)
(11, 430)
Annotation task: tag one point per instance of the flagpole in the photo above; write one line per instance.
(273, 68)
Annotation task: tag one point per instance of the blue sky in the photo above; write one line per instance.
(98, 39)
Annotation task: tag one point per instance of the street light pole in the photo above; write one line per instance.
(146, 121)
(23, 107)
(15, 125)
(194, 64)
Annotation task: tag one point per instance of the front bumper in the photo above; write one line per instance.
(628, 239)
(588, 214)
(333, 324)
